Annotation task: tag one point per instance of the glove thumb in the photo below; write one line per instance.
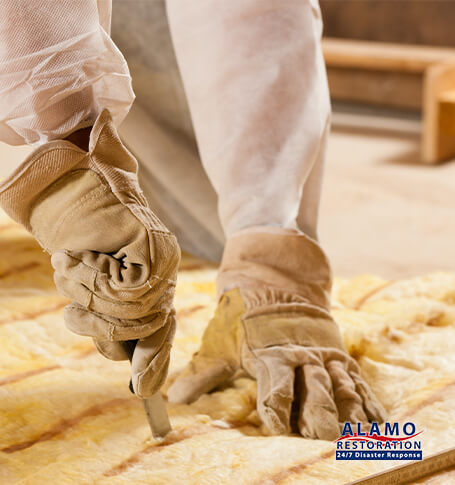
(201, 375)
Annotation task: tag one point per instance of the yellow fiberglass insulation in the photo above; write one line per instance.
(67, 416)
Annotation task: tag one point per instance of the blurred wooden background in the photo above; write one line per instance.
(422, 22)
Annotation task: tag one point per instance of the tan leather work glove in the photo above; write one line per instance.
(112, 256)
(273, 322)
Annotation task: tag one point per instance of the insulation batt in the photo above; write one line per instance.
(67, 416)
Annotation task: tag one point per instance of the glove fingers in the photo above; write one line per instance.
(104, 274)
(79, 293)
(111, 350)
(318, 416)
(200, 376)
(104, 328)
(150, 361)
(372, 407)
(347, 400)
(74, 269)
(275, 381)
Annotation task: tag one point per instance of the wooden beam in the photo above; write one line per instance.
(366, 55)
(381, 88)
(438, 136)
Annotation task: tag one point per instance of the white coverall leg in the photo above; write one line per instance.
(288, 149)
(255, 83)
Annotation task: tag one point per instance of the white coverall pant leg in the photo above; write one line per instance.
(59, 69)
(255, 80)
(255, 83)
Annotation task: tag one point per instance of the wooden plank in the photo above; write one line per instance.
(399, 76)
(357, 122)
(438, 136)
(382, 56)
(380, 88)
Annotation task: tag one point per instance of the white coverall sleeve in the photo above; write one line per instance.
(256, 85)
(58, 69)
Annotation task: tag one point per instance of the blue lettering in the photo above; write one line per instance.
(359, 430)
(347, 430)
(389, 430)
(406, 425)
(374, 429)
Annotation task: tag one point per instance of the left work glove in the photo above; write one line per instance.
(273, 322)
(112, 256)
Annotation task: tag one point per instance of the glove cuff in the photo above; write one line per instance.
(107, 157)
(276, 270)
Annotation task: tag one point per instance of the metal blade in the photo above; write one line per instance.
(155, 407)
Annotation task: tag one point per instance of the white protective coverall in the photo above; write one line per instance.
(254, 81)
(254, 96)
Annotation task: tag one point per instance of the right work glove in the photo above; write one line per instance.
(273, 322)
(112, 256)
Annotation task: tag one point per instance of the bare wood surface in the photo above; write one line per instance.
(438, 136)
(382, 56)
(381, 88)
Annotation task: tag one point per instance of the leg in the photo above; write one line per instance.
(257, 91)
(159, 130)
(256, 85)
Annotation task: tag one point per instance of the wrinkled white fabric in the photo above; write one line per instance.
(255, 84)
(255, 80)
(159, 130)
(58, 69)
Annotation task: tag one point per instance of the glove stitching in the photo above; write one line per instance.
(140, 214)
(119, 324)
(32, 161)
(132, 304)
(272, 308)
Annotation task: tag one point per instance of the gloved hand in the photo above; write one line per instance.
(273, 322)
(112, 256)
